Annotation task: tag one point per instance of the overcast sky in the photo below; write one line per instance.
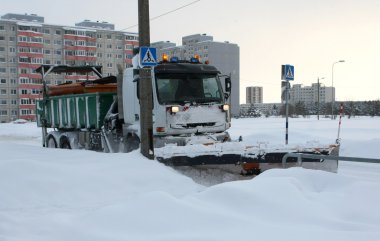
(309, 34)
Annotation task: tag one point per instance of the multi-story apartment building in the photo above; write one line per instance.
(26, 42)
(309, 94)
(254, 95)
(223, 55)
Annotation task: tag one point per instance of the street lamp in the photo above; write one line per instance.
(319, 94)
(332, 89)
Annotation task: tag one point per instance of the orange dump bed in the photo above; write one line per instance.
(80, 88)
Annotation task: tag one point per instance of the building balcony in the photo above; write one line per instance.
(29, 34)
(31, 75)
(76, 47)
(30, 55)
(75, 37)
(29, 44)
(80, 58)
(29, 65)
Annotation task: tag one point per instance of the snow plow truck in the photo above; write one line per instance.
(191, 117)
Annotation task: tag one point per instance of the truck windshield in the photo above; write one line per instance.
(188, 88)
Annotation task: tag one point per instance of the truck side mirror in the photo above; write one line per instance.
(227, 84)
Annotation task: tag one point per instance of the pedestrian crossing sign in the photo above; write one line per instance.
(287, 72)
(148, 56)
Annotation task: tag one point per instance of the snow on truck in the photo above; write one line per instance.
(190, 117)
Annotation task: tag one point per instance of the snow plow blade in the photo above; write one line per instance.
(251, 158)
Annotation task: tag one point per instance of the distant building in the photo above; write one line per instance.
(254, 94)
(263, 108)
(223, 55)
(26, 42)
(309, 94)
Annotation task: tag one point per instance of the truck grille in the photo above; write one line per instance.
(193, 125)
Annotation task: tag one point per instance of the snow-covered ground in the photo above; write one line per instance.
(53, 194)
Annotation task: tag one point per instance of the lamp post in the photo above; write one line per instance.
(332, 89)
(319, 95)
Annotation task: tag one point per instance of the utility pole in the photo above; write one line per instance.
(318, 101)
(145, 85)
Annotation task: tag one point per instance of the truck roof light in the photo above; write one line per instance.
(194, 60)
(174, 59)
(164, 57)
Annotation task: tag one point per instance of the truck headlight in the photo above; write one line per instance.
(174, 109)
(226, 107)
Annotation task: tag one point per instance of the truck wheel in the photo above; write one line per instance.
(65, 143)
(132, 143)
(51, 142)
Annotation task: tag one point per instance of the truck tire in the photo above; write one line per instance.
(51, 142)
(132, 143)
(65, 143)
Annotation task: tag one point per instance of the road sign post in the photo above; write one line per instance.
(287, 73)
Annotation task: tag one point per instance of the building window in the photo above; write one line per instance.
(81, 43)
(2, 38)
(99, 55)
(2, 60)
(12, 39)
(58, 62)
(12, 49)
(26, 112)
(2, 28)
(58, 32)
(46, 31)
(3, 81)
(3, 112)
(99, 35)
(46, 51)
(3, 101)
(47, 61)
(109, 65)
(13, 81)
(13, 92)
(26, 101)
(3, 70)
(57, 42)
(58, 52)
(109, 55)
(109, 46)
(2, 49)
(3, 91)
(109, 36)
(47, 41)
(13, 70)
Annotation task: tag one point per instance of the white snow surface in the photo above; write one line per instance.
(61, 195)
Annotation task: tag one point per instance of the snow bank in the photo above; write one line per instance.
(53, 194)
